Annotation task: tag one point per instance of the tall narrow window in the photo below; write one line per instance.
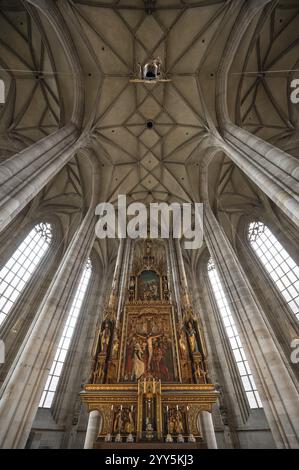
(280, 266)
(55, 372)
(234, 339)
(21, 265)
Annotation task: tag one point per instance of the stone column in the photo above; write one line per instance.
(118, 265)
(23, 386)
(124, 273)
(175, 275)
(277, 386)
(92, 429)
(181, 272)
(274, 171)
(113, 303)
(24, 174)
(208, 429)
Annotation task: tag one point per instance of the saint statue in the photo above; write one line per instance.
(191, 332)
(105, 337)
(179, 428)
(132, 283)
(182, 345)
(138, 364)
(115, 346)
(171, 423)
(199, 372)
(129, 423)
(99, 372)
(118, 421)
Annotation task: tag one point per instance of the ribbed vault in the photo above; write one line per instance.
(161, 163)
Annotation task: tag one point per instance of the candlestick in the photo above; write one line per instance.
(120, 418)
(188, 420)
(167, 419)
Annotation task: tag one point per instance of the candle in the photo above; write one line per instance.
(111, 420)
(188, 421)
(167, 420)
(177, 407)
(121, 407)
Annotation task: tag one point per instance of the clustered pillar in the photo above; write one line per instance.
(23, 386)
(278, 391)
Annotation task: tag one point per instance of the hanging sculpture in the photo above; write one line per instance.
(151, 72)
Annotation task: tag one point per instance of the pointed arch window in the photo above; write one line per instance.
(281, 268)
(65, 340)
(17, 271)
(234, 338)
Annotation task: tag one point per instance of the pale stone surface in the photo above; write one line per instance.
(92, 429)
(267, 365)
(208, 429)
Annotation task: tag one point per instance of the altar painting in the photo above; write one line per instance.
(149, 286)
(149, 348)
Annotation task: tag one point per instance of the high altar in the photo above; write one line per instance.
(150, 378)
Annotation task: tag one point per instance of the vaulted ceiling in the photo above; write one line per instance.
(110, 37)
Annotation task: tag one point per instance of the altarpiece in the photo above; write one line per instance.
(150, 376)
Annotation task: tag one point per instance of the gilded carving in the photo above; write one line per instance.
(150, 377)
